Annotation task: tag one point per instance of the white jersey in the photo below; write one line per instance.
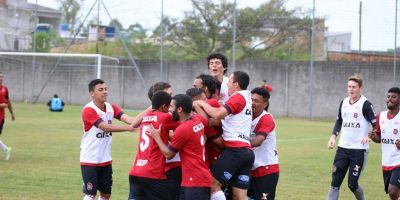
(355, 126)
(237, 126)
(96, 144)
(266, 153)
(389, 129)
(224, 89)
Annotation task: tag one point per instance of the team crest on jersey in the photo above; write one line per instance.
(355, 115)
(395, 131)
(89, 186)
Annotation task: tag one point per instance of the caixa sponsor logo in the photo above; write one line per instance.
(198, 127)
(104, 134)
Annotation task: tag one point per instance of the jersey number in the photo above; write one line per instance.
(202, 142)
(145, 139)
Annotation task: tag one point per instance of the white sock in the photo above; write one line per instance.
(89, 197)
(218, 196)
(3, 146)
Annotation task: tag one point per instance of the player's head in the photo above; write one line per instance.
(238, 80)
(55, 96)
(260, 99)
(354, 86)
(98, 90)
(161, 101)
(208, 83)
(181, 105)
(196, 94)
(393, 98)
(217, 64)
(158, 87)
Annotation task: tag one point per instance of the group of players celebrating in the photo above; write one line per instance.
(218, 141)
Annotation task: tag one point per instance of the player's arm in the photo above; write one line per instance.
(336, 128)
(369, 115)
(10, 109)
(155, 134)
(375, 134)
(217, 113)
(257, 140)
(90, 118)
(135, 121)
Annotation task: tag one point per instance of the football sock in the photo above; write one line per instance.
(218, 196)
(333, 193)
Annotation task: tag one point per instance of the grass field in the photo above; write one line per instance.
(45, 158)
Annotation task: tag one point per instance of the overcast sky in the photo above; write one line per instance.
(378, 16)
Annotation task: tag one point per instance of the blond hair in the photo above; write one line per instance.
(356, 78)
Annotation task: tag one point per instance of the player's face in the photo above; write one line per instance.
(215, 67)
(172, 110)
(392, 101)
(201, 97)
(232, 86)
(100, 92)
(168, 90)
(198, 83)
(258, 103)
(353, 89)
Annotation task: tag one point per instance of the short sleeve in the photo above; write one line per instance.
(213, 103)
(6, 93)
(378, 126)
(117, 111)
(265, 125)
(90, 118)
(235, 104)
(179, 139)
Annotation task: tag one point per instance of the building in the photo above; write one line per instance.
(18, 20)
(338, 41)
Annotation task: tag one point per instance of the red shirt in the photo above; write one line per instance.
(189, 139)
(3, 99)
(149, 160)
(213, 151)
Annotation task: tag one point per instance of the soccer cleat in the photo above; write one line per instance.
(8, 153)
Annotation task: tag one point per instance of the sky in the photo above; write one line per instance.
(378, 16)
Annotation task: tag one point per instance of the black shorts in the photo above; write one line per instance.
(1, 125)
(263, 187)
(195, 193)
(233, 167)
(97, 178)
(174, 177)
(391, 177)
(141, 188)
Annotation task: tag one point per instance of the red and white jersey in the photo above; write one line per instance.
(223, 92)
(3, 99)
(389, 129)
(266, 155)
(355, 126)
(189, 140)
(149, 161)
(96, 144)
(237, 125)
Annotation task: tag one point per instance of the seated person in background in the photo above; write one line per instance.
(56, 104)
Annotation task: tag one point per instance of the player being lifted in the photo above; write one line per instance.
(355, 115)
(235, 163)
(387, 133)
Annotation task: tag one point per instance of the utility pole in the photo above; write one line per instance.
(312, 61)
(395, 47)
(34, 50)
(234, 38)
(162, 41)
(359, 27)
(98, 27)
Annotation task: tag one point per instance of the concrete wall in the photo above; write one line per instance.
(290, 82)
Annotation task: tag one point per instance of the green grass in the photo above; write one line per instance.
(45, 158)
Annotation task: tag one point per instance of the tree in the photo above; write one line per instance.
(70, 9)
(209, 28)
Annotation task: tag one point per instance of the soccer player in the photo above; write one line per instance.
(56, 104)
(217, 67)
(95, 154)
(387, 133)
(209, 84)
(189, 140)
(196, 94)
(354, 116)
(4, 102)
(265, 171)
(235, 163)
(147, 177)
(172, 166)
